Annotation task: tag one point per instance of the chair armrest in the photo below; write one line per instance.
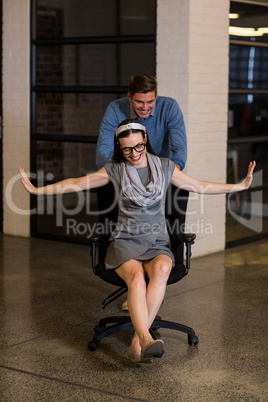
(94, 238)
(94, 241)
(188, 239)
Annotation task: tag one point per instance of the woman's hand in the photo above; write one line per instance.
(26, 182)
(248, 180)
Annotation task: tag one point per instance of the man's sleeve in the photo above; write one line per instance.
(105, 144)
(177, 135)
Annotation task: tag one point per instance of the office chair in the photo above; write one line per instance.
(113, 324)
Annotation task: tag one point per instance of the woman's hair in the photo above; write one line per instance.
(142, 83)
(118, 154)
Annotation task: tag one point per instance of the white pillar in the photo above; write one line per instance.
(16, 112)
(192, 67)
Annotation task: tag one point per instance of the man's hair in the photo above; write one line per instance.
(143, 83)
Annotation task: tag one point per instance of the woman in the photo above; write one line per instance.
(139, 244)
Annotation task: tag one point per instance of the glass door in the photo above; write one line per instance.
(1, 140)
(247, 213)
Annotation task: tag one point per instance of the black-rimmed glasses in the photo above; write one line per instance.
(138, 148)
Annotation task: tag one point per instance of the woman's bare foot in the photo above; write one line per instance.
(138, 344)
(135, 345)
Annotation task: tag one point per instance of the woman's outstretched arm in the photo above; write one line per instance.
(94, 180)
(181, 180)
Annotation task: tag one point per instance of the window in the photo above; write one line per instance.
(83, 55)
(247, 213)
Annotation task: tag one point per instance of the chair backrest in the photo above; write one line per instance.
(176, 206)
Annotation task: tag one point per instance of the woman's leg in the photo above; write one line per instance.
(132, 272)
(143, 302)
(158, 270)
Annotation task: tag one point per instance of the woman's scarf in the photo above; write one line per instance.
(133, 188)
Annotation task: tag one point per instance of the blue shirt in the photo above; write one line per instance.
(165, 128)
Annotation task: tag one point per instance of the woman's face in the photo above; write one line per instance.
(137, 157)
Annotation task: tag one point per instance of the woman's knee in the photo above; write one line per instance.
(137, 279)
(161, 271)
(132, 273)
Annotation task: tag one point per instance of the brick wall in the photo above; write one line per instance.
(192, 67)
(16, 111)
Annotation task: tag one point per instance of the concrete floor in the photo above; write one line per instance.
(50, 301)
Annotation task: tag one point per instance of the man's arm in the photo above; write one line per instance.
(177, 135)
(105, 144)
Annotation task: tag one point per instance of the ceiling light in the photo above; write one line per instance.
(233, 16)
(239, 31)
(263, 30)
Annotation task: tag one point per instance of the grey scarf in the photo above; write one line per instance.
(133, 188)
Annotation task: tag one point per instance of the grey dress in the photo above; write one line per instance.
(140, 232)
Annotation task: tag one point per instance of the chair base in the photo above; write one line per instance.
(111, 325)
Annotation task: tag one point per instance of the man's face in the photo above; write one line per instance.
(142, 104)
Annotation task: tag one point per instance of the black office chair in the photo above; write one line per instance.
(113, 324)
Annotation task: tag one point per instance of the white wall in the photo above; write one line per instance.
(192, 67)
(16, 110)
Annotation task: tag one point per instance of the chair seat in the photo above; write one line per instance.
(110, 276)
(178, 272)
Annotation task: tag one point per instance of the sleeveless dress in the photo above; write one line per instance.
(140, 232)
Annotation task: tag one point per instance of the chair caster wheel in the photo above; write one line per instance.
(98, 329)
(193, 340)
(92, 345)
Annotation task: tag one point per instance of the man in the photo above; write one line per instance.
(161, 116)
(164, 123)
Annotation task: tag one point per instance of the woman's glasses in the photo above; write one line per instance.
(138, 148)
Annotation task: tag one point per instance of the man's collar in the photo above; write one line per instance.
(132, 113)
